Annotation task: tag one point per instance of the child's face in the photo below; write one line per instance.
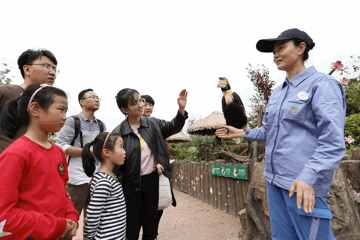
(53, 119)
(118, 154)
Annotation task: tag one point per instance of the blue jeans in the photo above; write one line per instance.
(291, 223)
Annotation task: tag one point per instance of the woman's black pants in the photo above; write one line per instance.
(142, 207)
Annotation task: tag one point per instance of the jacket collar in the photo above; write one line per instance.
(299, 78)
(126, 129)
(82, 117)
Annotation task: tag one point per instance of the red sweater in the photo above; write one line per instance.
(33, 197)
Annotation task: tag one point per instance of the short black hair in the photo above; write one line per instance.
(30, 55)
(148, 99)
(307, 49)
(83, 92)
(124, 97)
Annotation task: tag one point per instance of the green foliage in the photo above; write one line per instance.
(353, 97)
(204, 140)
(352, 127)
(349, 76)
(183, 152)
(260, 77)
(201, 148)
(5, 74)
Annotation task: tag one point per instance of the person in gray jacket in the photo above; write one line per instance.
(79, 130)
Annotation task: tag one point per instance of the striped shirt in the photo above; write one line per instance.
(106, 213)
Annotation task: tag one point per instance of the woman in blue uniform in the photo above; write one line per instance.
(303, 128)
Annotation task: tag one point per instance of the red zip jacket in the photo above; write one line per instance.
(33, 198)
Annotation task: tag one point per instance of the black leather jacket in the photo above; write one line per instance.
(154, 131)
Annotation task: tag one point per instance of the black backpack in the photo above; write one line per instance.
(77, 129)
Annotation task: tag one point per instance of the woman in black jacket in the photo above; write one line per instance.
(146, 158)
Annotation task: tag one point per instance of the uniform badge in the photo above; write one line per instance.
(294, 109)
(61, 169)
(302, 95)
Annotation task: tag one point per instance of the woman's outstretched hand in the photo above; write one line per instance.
(228, 132)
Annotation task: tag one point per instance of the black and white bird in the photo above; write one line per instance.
(232, 106)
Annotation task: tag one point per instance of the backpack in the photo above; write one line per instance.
(77, 129)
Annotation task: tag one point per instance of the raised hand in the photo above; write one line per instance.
(182, 99)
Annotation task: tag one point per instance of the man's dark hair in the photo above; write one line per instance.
(148, 99)
(30, 55)
(83, 92)
(124, 97)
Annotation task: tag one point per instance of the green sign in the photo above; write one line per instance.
(226, 170)
(229, 170)
(216, 169)
(240, 172)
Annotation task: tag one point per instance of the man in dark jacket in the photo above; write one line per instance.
(37, 66)
(146, 158)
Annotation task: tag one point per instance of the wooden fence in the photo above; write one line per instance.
(195, 179)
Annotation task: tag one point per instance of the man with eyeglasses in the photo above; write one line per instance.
(37, 66)
(79, 130)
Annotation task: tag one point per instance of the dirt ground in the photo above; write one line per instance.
(194, 220)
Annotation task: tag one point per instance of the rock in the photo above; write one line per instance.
(345, 209)
(355, 153)
(257, 221)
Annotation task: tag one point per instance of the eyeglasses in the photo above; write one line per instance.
(95, 97)
(47, 67)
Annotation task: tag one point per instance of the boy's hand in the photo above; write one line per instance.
(70, 229)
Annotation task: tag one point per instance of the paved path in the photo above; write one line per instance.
(194, 220)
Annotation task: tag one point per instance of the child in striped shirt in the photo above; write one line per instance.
(105, 216)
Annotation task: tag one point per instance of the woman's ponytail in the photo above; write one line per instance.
(89, 157)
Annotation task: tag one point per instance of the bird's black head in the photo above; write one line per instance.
(224, 84)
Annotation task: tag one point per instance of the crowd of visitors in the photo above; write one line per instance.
(113, 176)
